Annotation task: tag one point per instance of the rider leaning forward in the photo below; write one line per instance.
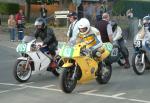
(91, 36)
(47, 36)
(144, 32)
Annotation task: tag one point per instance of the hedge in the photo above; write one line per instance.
(140, 7)
(8, 8)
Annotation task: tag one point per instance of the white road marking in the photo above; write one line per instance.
(9, 84)
(11, 47)
(118, 98)
(25, 84)
(34, 87)
(102, 95)
(117, 95)
(48, 86)
(88, 93)
(141, 101)
(91, 91)
(12, 90)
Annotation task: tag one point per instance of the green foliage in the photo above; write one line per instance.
(119, 7)
(8, 8)
(140, 7)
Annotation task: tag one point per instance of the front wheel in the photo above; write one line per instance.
(67, 83)
(104, 73)
(138, 64)
(21, 73)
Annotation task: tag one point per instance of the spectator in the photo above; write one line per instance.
(20, 21)
(105, 28)
(98, 13)
(12, 27)
(73, 29)
(43, 11)
(129, 13)
(104, 7)
(88, 12)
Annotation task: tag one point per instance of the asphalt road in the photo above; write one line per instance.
(124, 86)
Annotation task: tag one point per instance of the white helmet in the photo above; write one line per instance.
(84, 23)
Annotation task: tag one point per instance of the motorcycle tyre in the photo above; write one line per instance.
(63, 77)
(15, 72)
(99, 78)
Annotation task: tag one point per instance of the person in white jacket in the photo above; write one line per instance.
(118, 38)
(73, 29)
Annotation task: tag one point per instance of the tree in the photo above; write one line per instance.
(64, 4)
(28, 9)
(119, 7)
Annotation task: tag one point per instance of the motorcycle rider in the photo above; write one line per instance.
(91, 36)
(47, 36)
(145, 30)
(118, 38)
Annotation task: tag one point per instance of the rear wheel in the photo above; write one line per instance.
(67, 83)
(104, 73)
(21, 73)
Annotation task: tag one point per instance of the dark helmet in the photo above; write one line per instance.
(40, 22)
(74, 14)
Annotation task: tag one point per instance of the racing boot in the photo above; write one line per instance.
(127, 64)
(52, 66)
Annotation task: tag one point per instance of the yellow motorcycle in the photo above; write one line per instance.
(81, 65)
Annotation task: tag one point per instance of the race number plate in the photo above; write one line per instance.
(21, 48)
(67, 51)
(114, 52)
(138, 44)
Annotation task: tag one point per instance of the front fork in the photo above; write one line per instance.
(27, 64)
(143, 56)
(74, 73)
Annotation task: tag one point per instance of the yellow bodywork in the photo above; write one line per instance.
(88, 65)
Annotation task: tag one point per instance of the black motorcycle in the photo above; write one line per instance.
(116, 55)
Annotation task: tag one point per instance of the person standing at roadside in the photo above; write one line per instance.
(12, 27)
(43, 11)
(20, 22)
(105, 28)
(73, 29)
